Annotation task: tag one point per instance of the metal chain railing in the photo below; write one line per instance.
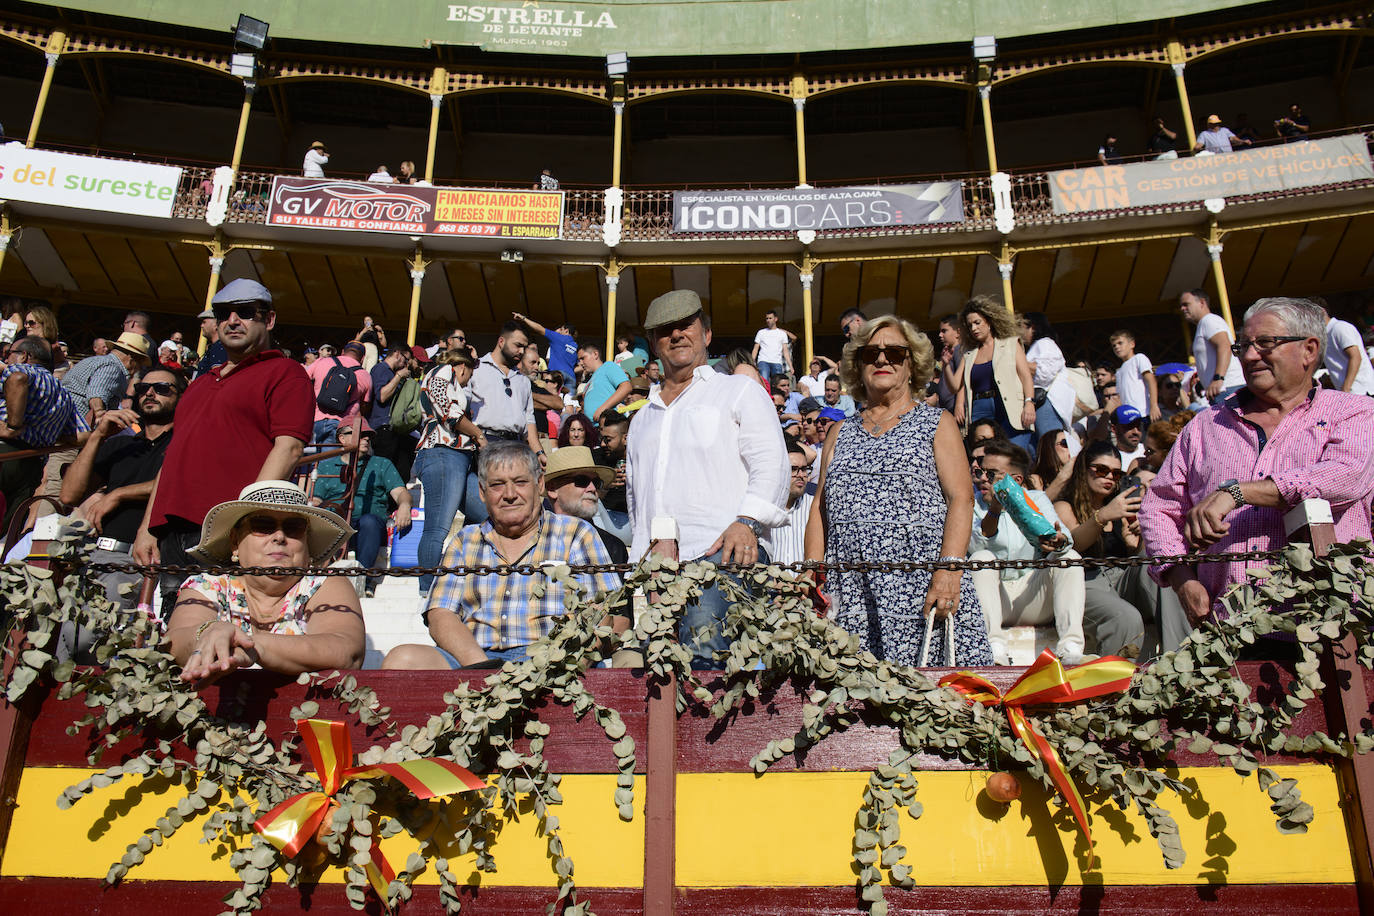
(529, 569)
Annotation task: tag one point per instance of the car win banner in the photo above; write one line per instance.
(818, 209)
(63, 180)
(316, 203)
(1260, 170)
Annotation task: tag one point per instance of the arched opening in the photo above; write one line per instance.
(510, 136)
(888, 132)
(711, 138)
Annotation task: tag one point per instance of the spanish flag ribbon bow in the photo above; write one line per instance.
(293, 823)
(1048, 681)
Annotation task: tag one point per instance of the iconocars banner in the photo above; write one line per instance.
(819, 209)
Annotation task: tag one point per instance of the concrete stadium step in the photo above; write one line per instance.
(1024, 644)
(392, 617)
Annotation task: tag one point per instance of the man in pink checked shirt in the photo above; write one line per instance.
(1238, 467)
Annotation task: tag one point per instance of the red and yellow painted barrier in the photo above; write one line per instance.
(744, 844)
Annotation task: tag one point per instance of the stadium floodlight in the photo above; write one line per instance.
(984, 48)
(242, 65)
(617, 64)
(250, 33)
(514, 255)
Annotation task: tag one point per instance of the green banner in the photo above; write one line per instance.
(645, 28)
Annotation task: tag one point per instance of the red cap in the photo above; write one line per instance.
(419, 353)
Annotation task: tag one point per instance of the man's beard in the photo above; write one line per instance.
(577, 508)
(159, 417)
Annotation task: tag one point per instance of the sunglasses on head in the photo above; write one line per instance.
(247, 311)
(159, 388)
(293, 526)
(893, 354)
(1102, 470)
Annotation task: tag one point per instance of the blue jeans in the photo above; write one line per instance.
(367, 543)
(326, 430)
(514, 654)
(991, 409)
(473, 508)
(769, 371)
(442, 472)
(1046, 421)
(707, 613)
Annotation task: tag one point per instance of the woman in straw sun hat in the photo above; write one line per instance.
(289, 623)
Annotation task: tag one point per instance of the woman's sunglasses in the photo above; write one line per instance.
(292, 526)
(1101, 470)
(894, 355)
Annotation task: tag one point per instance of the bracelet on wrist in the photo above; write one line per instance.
(1097, 520)
(200, 630)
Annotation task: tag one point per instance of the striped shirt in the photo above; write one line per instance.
(503, 612)
(102, 377)
(1322, 449)
(787, 542)
(50, 415)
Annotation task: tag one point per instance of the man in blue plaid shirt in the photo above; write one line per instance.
(476, 619)
(35, 412)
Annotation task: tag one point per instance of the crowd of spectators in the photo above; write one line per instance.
(1214, 137)
(980, 440)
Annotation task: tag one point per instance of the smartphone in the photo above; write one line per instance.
(1128, 483)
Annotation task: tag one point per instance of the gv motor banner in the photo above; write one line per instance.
(64, 180)
(792, 209)
(1251, 171)
(317, 203)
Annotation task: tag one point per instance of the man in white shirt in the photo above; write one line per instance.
(813, 385)
(707, 452)
(381, 176)
(1021, 597)
(1135, 380)
(1217, 138)
(316, 158)
(787, 542)
(1217, 370)
(772, 348)
(1345, 359)
(502, 403)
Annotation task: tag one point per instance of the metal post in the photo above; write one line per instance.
(217, 253)
(1176, 61)
(985, 97)
(618, 108)
(6, 233)
(437, 84)
(417, 277)
(57, 42)
(1214, 247)
(249, 88)
(1004, 268)
(799, 103)
(612, 282)
(808, 334)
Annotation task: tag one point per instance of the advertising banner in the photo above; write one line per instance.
(63, 180)
(1264, 169)
(792, 209)
(321, 203)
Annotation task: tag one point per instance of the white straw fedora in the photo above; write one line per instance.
(327, 532)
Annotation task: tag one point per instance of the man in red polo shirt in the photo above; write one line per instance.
(245, 420)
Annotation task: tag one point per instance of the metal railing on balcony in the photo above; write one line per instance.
(648, 212)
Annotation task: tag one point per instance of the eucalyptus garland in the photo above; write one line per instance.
(1118, 745)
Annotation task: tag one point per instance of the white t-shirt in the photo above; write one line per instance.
(1048, 359)
(1339, 336)
(1130, 387)
(814, 386)
(1128, 457)
(772, 342)
(1205, 355)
